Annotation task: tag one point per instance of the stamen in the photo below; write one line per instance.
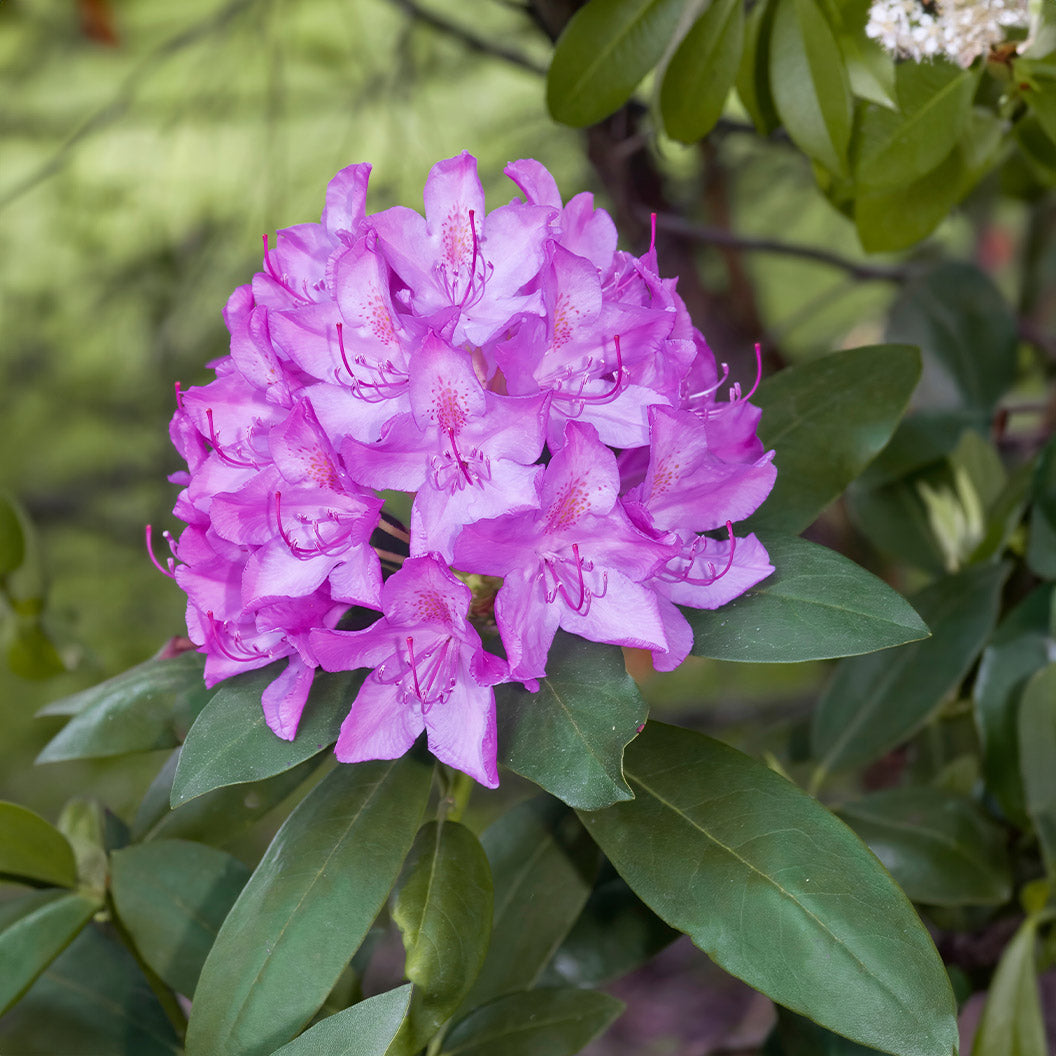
(179, 397)
(414, 669)
(249, 653)
(324, 549)
(713, 576)
(454, 449)
(473, 262)
(171, 562)
(652, 232)
(215, 441)
(578, 397)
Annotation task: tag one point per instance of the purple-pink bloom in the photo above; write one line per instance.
(543, 400)
(430, 672)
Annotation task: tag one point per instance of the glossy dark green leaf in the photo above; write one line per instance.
(809, 82)
(777, 891)
(443, 909)
(1045, 481)
(230, 743)
(607, 47)
(557, 1022)
(957, 316)
(798, 1036)
(569, 737)
(816, 605)
(34, 929)
(826, 420)
(616, 933)
(898, 147)
(940, 847)
(1041, 545)
(32, 850)
(1011, 1024)
(150, 706)
(172, 896)
(1019, 647)
(874, 702)
(1037, 753)
(366, 1029)
(307, 907)
(219, 816)
(753, 74)
(699, 76)
(12, 538)
(92, 1000)
(543, 866)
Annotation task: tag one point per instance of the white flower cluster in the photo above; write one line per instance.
(957, 29)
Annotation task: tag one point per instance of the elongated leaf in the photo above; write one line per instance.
(816, 605)
(33, 851)
(366, 1029)
(34, 930)
(1011, 1024)
(172, 896)
(443, 910)
(956, 315)
(826, 420)
(569, 737)
(93, 999)
(219, 816)
(700, 74)
(777, 891)
(1019, 647)
(148, 707)
(543, 865)
(230, 743)
(606, 49)
(940, 848)
(809, 80)
(895, 148)
(1037, 752)
(753, 74)
(555, 1022)
(306, 908)
(616, 933)
(875, 702)
(798, 1036)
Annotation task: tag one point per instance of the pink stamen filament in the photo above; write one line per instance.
(358, 384)
(594, 398)
(179, 397)
(324, 549)
(473, 262)
(280, 279)
(249, 653)
(433, 664)
(215, 441)
(713, 576)
(582, 605)
(454, 450)
(171, 562)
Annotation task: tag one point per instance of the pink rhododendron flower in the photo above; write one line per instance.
(543, 396)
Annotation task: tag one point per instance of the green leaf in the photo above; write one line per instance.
(875, 702)
(148, 707)
(816, 605)
(557, 1022)
(616, 933)
(218, 816)
(92, 1000)
(607, 47)
(826, 420)
(569, 737)
(1019, 647)
(543, 866)
(753, 74)
(230, 743)
(958, 318)
(306, 908)
(940, 848)
(34, 929)
(896, 148)
(1011, 1024)
(172, 896)
(30, 651)
(12, 537)
(809, 80)
(33, 850)
(798, 1036)
(366, 1029)
(1037, 751)
(700, 74)
(777, 891)
(1041, 545)
(443, 910)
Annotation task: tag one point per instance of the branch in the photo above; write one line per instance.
(463, 35)
(716, 236)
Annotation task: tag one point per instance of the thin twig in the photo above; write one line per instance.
(464, 36)
(746, 243)
(124, 96)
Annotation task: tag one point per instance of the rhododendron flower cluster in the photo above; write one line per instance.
(544, 396)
